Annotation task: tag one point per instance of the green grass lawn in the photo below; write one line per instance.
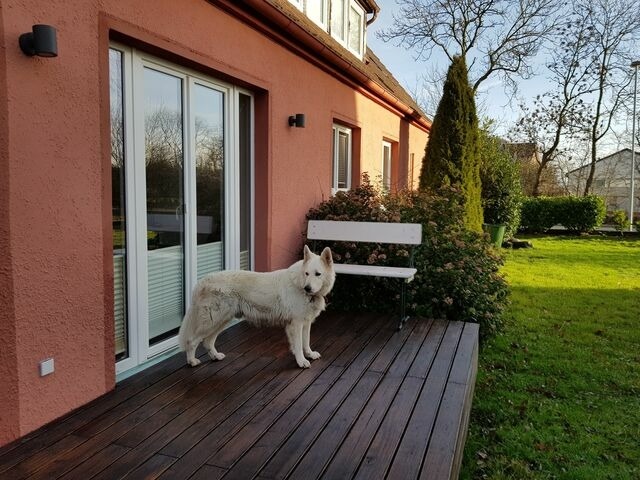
(558, 392)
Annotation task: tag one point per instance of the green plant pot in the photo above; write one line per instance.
(496, 232)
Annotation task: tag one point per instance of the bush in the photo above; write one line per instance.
(501, 189)
(457, 277)
(620, 220)
(576, 214)
(581, 214)
(537, 214)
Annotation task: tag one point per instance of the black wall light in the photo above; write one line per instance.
(297, 120)
(40, 41)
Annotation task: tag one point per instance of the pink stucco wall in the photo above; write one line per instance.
(55, 234)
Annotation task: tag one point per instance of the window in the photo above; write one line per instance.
(386, 166)
(356, 29)
(341, 158)
(339, 19)
(347, 20)
(316, 10)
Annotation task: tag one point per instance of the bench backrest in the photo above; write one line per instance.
(378, 232)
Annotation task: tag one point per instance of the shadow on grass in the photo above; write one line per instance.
(558, 392)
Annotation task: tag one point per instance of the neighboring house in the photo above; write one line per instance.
(158, 146)
(611, 180)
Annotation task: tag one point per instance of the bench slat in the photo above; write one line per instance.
(377, 232)
(375, 271)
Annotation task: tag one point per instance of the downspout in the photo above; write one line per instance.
(375, 15)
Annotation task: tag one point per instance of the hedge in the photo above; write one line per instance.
(576, 214)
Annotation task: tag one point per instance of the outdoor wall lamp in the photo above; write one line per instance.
(41, 41)
(297, 120)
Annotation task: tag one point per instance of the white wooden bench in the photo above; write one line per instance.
(372, 232)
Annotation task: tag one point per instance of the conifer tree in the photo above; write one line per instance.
(451, 156)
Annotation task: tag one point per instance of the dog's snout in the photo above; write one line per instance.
(307, 288)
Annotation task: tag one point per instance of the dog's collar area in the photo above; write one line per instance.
(313, 298)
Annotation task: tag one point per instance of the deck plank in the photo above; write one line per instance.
(415, 441)
(378, 402)
(383, 346)
(126, 391)
(244, 420)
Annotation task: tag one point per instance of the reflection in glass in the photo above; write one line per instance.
(208, 106)
(337, 19)
(386, 166)
(343, 152)
(118, 205)
(355, 30)
(165, 201)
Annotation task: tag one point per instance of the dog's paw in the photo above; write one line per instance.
(194, 363)
(313, 355)
(217, 356)
(304, 363)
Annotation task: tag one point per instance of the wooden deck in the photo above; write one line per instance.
(378, 404)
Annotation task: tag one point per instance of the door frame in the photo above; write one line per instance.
(137, 318)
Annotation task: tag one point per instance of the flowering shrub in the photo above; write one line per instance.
(457, 277)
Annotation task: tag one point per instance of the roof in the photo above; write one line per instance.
(370, 73)
(615, 154)
(522, 151)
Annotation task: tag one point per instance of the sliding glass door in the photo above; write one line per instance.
(164, 200)
(182, 189)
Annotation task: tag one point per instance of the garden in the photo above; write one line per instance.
(558, 389)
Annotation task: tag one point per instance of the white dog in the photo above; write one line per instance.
(291, 298)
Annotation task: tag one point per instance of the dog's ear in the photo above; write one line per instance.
(307, 254)
(326, 256)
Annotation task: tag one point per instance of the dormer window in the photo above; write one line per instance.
(317, 11)
(344, 20)
(356, 29)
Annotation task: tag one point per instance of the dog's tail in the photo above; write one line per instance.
(186, 328)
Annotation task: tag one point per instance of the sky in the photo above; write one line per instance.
(493, 102)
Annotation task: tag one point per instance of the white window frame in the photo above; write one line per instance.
(303, 6)
(337, 129)
(348, 6)
(359, 51)
(328, 8)
(345, 21)
(299, 4)
(324, 5)
(386, 170)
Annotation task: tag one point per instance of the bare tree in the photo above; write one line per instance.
(427, 90)
(559, 115)
(615, 27)
(496, 37)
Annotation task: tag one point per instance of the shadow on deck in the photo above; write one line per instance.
(379, 403)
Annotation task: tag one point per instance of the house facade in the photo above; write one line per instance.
(611, 180)
(167, 140)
